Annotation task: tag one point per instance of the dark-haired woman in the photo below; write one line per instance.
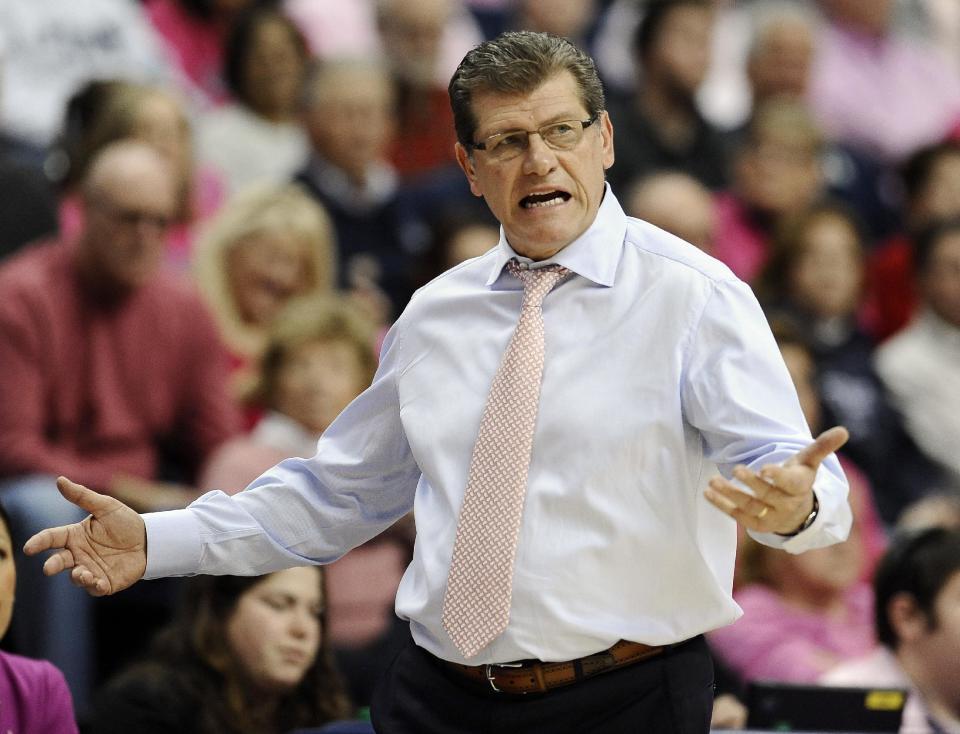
(245, 654)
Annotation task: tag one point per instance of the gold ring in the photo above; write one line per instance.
(762, 513)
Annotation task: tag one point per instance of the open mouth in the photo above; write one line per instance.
(546, 199)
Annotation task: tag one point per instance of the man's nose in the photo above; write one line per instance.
(539, 158)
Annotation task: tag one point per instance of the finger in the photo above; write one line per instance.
(763, 490)
(743, 501)
(58, 562)
(824, 445)
(86, 499)
(790, 480)
(83, 578)
(743, 516)
(47, 539)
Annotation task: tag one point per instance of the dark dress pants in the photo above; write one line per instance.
(670, 693)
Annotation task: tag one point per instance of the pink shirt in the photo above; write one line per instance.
(775, 641)
(194, 46)
(33, 697)
(739, 243)
(885, 95)
(91, 390)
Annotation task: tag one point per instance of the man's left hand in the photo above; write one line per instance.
(782, 495)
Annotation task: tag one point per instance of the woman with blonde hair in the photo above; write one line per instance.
(266, 246)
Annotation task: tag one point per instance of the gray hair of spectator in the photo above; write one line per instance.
(517, 62)
(918, 563)
(767, 14)
(320, 70)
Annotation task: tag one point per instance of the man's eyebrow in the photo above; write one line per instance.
(549, 121)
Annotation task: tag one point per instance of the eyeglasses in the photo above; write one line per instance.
(132, 218)
(562, 135)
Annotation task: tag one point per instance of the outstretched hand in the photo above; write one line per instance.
(105, 553)
(782, 494)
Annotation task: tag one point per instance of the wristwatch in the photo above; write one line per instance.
(807, 522)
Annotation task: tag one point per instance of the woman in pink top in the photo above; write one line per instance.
(33, 694)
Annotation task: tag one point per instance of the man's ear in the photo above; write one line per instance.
(606, 131)
(467, 166)
(908, 621)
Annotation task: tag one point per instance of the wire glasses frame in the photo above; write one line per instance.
(560, 135)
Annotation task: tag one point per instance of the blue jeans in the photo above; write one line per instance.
(52, 619)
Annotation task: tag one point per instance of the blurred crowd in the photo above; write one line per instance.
(212, 210)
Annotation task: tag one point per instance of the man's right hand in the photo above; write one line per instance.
(106, 552)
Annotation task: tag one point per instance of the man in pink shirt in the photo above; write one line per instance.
(110, 369)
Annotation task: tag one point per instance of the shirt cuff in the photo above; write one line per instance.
(173, 544)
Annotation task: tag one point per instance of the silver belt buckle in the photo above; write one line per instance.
(489, 672)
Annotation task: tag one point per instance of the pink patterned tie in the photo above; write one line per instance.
(476, 607)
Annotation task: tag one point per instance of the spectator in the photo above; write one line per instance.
(257, 137)
(917, 609)
(931, 184)
(266, 246)
(244, 654)
(779, 66)
(776, 174)
(921, 365)
(349, 120)
(111, 370)
(814, 279)
(675, 202)
(863, 66)
(317, 357)
(320, 357)
(34, 695)
(781, 51)
(106, 111)
(411, 35)
(661, 127)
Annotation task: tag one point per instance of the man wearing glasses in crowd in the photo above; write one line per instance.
(109, 369)
(553, 412)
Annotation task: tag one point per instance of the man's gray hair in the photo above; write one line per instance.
(517, 62)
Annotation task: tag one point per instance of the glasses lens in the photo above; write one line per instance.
(562, 135)
(507, 145)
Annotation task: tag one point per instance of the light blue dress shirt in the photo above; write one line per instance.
(660, 369)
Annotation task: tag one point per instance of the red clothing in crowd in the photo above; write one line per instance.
(90, 389)
(425, 137)
(891, 289)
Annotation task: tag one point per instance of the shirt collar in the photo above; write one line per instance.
(595, 254)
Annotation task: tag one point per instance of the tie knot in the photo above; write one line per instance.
(537, 282)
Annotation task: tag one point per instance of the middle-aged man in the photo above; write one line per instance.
(110, 369)
(917, 600)
(570, 534)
